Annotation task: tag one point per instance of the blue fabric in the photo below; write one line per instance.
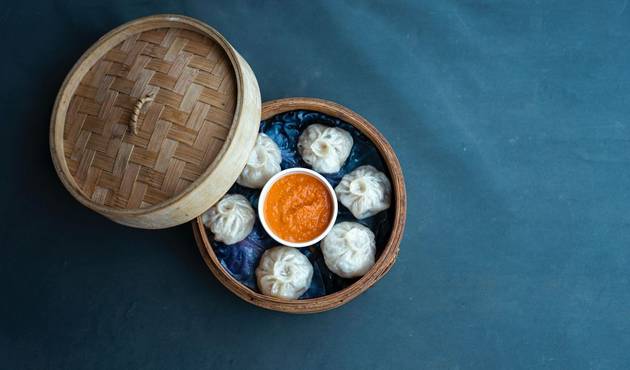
(241, 259)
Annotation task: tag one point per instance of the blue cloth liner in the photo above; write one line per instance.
(241, 259)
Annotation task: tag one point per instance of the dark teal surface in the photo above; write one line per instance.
(512, 123)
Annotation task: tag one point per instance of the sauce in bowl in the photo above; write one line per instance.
(298, 207)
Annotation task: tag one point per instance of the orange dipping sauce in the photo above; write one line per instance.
(298, 207)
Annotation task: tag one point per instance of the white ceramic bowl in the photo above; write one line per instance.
(263, 197)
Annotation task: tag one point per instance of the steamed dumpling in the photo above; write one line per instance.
(349, 249)
(284, 272)
(231, 219)
(325, 148)
(365, 192)
(263, 162)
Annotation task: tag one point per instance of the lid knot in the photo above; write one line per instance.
(133, 125)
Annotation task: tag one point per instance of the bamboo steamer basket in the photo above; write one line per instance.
(155, 122)
(389, 252)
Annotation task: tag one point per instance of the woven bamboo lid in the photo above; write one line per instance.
(155, 122)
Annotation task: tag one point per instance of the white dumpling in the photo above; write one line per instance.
(263, 162)
(365, 192)
(325, 148)
(284, 272)
(349, 249)
(231, 219)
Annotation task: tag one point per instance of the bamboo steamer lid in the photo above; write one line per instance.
(155, 122)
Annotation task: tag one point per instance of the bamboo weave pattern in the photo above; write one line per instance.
(179, 133)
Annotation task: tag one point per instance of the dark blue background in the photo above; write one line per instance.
(511, 120)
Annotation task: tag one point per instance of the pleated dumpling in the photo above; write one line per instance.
(284, 272)
(263, 162)
(325, 148)
(365, 191)
(349, 249)
(231, 219)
